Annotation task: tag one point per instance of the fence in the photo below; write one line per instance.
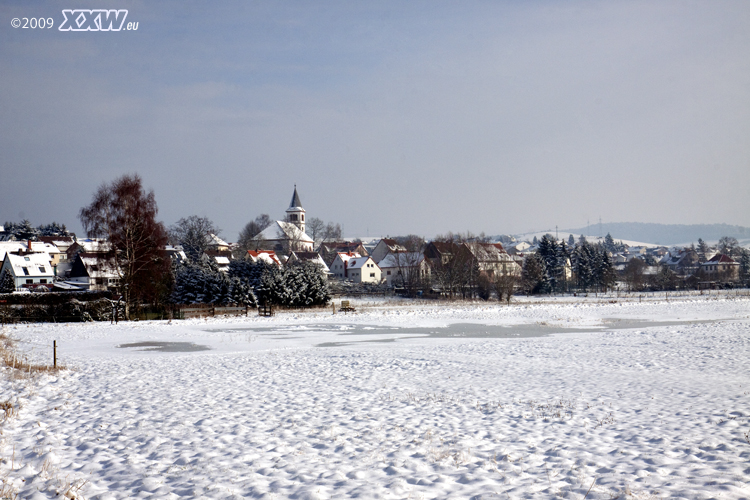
(202, 311)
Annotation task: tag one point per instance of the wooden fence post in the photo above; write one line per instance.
(54, 353)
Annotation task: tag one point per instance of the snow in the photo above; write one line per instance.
(541, 399)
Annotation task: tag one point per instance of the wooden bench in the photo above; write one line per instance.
(265, 310)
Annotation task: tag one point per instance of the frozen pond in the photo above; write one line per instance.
(166, 346)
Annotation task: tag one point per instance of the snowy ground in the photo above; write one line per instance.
(541, 400)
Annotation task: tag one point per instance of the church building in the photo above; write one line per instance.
(288, 235)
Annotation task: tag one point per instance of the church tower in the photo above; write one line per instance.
(295, 213)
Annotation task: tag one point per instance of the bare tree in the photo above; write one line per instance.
(412, 270)
(194, 234)
(634, 274)
(332, 232)
(505, 285)
(315, 229)
(124, 214)
(248, 237)
(729, 246)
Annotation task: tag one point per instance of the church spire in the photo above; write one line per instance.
(296, 203)
(295, 213)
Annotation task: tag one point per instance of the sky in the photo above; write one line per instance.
(391, 117)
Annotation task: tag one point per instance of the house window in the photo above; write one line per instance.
(372, 275)
(42, 269)
(26, 259)
(25, 271)
(389, 273)
(29, 282)
(43, 281)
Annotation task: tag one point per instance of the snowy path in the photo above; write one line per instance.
(660, 411)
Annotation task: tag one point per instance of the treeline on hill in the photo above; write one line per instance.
(297, 285)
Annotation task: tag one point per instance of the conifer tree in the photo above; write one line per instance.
(7, 283)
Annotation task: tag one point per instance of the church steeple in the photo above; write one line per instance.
(295, 213)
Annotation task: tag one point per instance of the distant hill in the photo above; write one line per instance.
(664, 234)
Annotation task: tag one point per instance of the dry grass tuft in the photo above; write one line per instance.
(17, 362)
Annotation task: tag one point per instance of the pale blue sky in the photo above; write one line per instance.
(391, 117)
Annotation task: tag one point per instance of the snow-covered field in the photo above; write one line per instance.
(544, 400)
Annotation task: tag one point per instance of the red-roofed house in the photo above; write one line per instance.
(721, 267)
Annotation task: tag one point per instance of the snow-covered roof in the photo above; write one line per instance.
(313, 257)
(94, 245)
(267, 256)
(215, 241)
(359, 262)
(279, 228)
(392, 245)
(402, 259)
(67, 285)
(33, 265)
(36, 246)
(720, 258)
(345, 256)
(96, 268)
(222, 261)
(488, 252)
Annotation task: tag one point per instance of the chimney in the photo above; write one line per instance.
(29, 245)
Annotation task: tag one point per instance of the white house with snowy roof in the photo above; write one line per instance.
(352, 266)
(91, 272)
(289, 235)
(363, 270)
(28, 269)
(398, 267)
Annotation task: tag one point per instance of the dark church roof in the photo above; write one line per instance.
(295, 200)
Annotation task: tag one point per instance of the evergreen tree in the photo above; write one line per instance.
(25, 231)
(7, 283)
(53, 229)
(548, 251)
(584, 264)
(744, 265)
(571, 241)
(563, 255)
(607, 276)
(609, 243)
(534, 275)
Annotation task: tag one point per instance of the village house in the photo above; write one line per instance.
(721, 268)
(355, 267)
(329, 249)
(403, 268)
(363, 270)
(89, 271)
(28, 269)
(492, 259)
(339, 265)
(384, 247)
